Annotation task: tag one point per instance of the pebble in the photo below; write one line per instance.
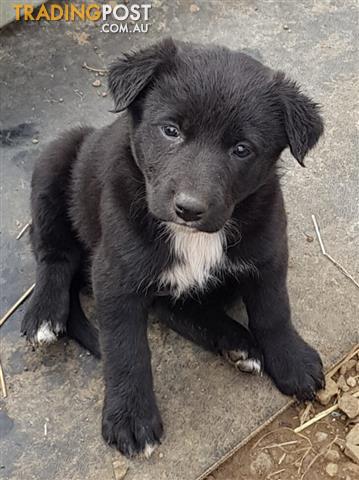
(321, 436)
(96, 83)
(349, 405)
(104, 94)
(331, 388)
(352, 452)
(194, 8)
(350, 364)
(61, 100)
(331, 469)
(351, 381)
(342, 384)
(332, 456)
(119, 469)
(262, 465)
(35, 141)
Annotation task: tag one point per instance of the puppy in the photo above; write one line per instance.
(176, 205)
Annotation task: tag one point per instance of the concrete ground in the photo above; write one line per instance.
(50, 421)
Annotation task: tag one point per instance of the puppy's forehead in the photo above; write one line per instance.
(215, 70)
(213, 83)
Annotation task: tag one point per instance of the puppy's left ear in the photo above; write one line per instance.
(302, 121)
(134, 71)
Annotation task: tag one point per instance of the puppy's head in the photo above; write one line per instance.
(208, 125)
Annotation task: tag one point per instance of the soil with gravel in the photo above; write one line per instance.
(328, 448)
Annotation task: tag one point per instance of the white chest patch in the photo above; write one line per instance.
(198, 255)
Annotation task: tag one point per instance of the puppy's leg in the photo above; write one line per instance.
(211, 328)
(294, 366)
(131, 420)
(56, 249)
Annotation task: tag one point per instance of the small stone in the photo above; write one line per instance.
(61, 100)
(351, 364)
(343, 369)
(104, 94)
(352, 452)
(119, 469)
(332, 455)
(349, 405)
(342, 384)
(331, 469)
(285, 27)
(309, 238)
(194, 8)
(160, 455)
(262, 465)
(321, 436)
(353, 435)
(351, 381)
(324, 396)
(35, 141)
(96, 83)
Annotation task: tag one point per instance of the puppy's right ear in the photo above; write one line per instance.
(132, 73)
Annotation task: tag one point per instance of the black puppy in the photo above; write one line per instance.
(176, 205)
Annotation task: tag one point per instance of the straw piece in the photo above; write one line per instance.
(354, 351)
(2, 381)
(320, 415)
(329, 257)
(23, 230)
(93, 69)
(17, 304)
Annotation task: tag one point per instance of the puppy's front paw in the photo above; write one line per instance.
(130, 433)
(295, 367)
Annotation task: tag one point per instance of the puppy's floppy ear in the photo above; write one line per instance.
(302, 121)
(130, 74)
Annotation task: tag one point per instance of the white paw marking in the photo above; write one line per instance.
(251, 365)
(239, 359)
(149, 449)
(45, 334)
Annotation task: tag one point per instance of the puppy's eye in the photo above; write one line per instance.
(170, 131)
(242, 150)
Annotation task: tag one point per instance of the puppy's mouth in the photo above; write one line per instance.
(191, 227)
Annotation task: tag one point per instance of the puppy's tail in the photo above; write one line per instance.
(80, 328)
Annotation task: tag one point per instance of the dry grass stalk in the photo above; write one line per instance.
(354, 351)
(23, 230)
(329, 257)
(318, 455)
(93, 69)
(275, 473)
(279, 445)
(17, 304)
(2, 381)
(320, 415)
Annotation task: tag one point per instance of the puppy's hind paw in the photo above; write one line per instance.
(244, 362)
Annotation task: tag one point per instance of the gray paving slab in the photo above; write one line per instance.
(207, 407)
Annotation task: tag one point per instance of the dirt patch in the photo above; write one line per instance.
(319, 440)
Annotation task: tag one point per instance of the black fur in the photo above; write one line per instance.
(102, 201)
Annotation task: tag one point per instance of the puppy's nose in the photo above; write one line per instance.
(189, 208)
